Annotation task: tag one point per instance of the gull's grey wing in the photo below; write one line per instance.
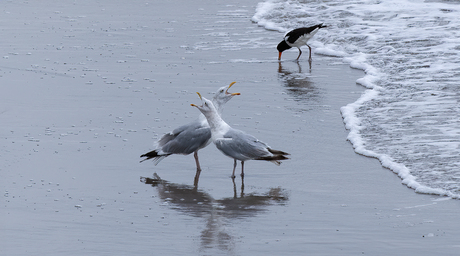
(186, 139)
(171, 135)
(242, 146)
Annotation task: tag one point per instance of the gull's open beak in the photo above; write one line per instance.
(233, 94)
(193, 105)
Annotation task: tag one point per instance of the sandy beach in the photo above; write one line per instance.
(87, 87)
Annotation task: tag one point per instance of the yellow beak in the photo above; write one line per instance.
(233, 94)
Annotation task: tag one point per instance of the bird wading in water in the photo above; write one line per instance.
(191, 137)
(297, 38)
(234, 143)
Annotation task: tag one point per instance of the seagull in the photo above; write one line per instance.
(297, 38)
(191, 137)
(234, 143)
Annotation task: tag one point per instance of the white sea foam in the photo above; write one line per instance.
(330, 52)
(409, 50)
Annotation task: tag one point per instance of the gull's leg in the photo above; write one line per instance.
(235, 196)
(300, 53)
(309, 58)
(234, 167)
(198, 169)
(197, 178)
(242, 187)
(242, 178)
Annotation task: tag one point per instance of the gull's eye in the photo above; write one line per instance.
(221, 90)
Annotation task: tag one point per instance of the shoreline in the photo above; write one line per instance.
(72, 142)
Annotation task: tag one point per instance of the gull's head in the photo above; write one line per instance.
(206, 105)
(222, 95)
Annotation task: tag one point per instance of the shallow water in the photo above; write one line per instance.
(99, 83)
(409, 51)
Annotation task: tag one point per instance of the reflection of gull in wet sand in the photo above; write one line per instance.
(191, 137)
(193, 202)
(196, 202)
(237, 144)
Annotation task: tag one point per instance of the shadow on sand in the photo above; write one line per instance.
(216, 212)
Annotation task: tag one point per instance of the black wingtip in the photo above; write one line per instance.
(154, 155)
(150, 155)
(277, 152)
(275, 158)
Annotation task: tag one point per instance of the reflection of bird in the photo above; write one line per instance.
(297, 38)
(191, 137)
(215, 213)
(235, 143)
(197, 203)
(298, 85)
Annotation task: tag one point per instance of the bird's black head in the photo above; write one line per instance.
(282, 47)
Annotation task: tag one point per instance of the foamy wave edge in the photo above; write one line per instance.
(263, 9)
(353, 124)
(351, 121)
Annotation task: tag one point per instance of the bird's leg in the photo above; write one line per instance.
(242, 179)
(300, 53)
(242, 187)
(197, 178)
(198, 167)
(235, 196)
(198, 170)
(234, 167)
(309, 58)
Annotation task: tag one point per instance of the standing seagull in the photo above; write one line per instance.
(297, 38)
(191, 137)
(234, 143)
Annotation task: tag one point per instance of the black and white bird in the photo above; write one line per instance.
(234, 143)
(297, 38)
(191, 137)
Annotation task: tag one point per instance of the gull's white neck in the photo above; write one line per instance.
(219, 107)
(216, 123)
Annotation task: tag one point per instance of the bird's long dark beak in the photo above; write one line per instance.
(233, 94)
(279, 56)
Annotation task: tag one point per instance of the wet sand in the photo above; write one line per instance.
(88, 87)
